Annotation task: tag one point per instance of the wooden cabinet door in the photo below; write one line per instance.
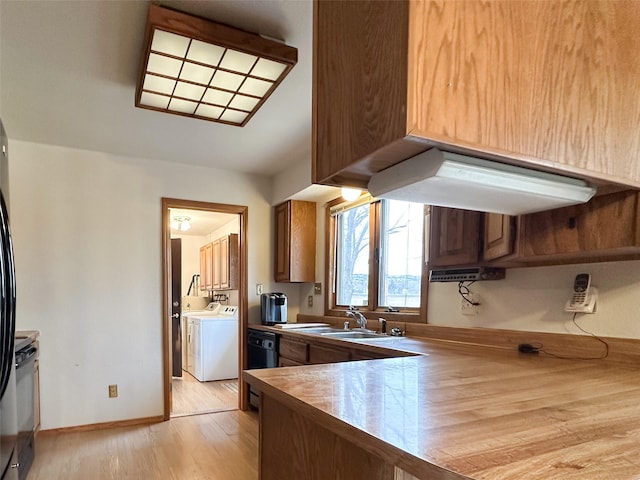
(224, 262)
(499, 235)
(359, 86)
(206, 272)
(324, 354)
(282, 241)
(295, 242)
(215, 265)
(293, 350)
(230, 262)
(607, 225)
(454, 237)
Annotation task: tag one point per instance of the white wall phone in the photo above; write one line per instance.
(584, 296)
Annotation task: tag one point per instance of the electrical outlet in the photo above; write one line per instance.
(310, 300)
(317, 288)
(258, 289)
(467, 308)
(113, 391)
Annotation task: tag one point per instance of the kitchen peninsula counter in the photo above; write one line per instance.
(457, 411)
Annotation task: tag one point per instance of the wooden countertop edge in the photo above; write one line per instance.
(621, 350)
(389, 453)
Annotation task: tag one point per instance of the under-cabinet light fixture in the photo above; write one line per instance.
(452, 180)
(181, 223)
(198, 68)
(350, 194)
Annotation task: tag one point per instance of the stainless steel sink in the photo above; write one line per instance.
(353, 335)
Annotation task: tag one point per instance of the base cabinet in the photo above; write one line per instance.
(295, 447)
(294, 352)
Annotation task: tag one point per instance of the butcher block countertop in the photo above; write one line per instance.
(461, 411)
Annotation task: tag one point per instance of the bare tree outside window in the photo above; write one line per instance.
(352, 272)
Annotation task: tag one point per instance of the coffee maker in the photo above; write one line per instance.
(273, 308)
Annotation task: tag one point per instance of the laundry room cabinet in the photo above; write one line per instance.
(220, 263)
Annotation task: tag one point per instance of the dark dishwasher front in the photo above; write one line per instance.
(262, 352)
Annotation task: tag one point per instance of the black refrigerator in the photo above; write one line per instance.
(8, 420)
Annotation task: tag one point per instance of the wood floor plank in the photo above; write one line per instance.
(216, 446)
(190, 396)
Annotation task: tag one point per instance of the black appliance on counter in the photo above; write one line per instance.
(8, 424)
(273, 308)
(262, 352)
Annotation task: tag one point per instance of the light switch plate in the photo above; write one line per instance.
(317, 288)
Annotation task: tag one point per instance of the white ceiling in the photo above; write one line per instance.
(202, 222)
(69, 72)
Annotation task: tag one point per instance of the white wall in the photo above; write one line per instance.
(533, 299)
(93, 291)
(190, 260)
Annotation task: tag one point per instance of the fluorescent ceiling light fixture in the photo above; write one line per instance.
(451, 180)
(198, 68)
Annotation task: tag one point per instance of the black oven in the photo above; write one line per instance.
(25, 370)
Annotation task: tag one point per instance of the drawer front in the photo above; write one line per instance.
(297, 351)
(286, 362)
(321, 354)
(367, 355)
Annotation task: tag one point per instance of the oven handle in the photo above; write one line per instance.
(25, 355)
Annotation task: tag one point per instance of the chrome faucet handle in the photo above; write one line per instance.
(346, 325)
(396, 332)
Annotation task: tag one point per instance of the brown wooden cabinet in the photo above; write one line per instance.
(326, 354)
(608, 227)
(219, 264)
(545, 84)
(499, 236)
(292, 352)
(605, 228)
(206, 268)
(454, 237)
(295, 242)
(228, 262)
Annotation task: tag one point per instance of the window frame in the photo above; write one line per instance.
(372, 311)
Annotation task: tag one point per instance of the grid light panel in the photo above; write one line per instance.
(204, 80)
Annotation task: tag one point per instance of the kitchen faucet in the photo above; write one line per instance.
(360, 319)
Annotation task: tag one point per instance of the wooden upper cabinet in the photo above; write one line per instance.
(295, 242)
(453, 237)
(216, 264)
(206, 270)
(545, 84)
(220, 264)
(606, 227)
(499, 236)
(226, 262)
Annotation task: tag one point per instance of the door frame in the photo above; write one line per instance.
(242, 211)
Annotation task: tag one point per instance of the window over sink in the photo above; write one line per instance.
(375, 257)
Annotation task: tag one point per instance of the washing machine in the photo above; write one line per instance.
(211, 310)
(213, 345)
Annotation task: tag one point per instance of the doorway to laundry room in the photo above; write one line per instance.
(204, 306)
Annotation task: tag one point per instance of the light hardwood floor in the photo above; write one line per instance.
(189, 396)
(217, 446)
